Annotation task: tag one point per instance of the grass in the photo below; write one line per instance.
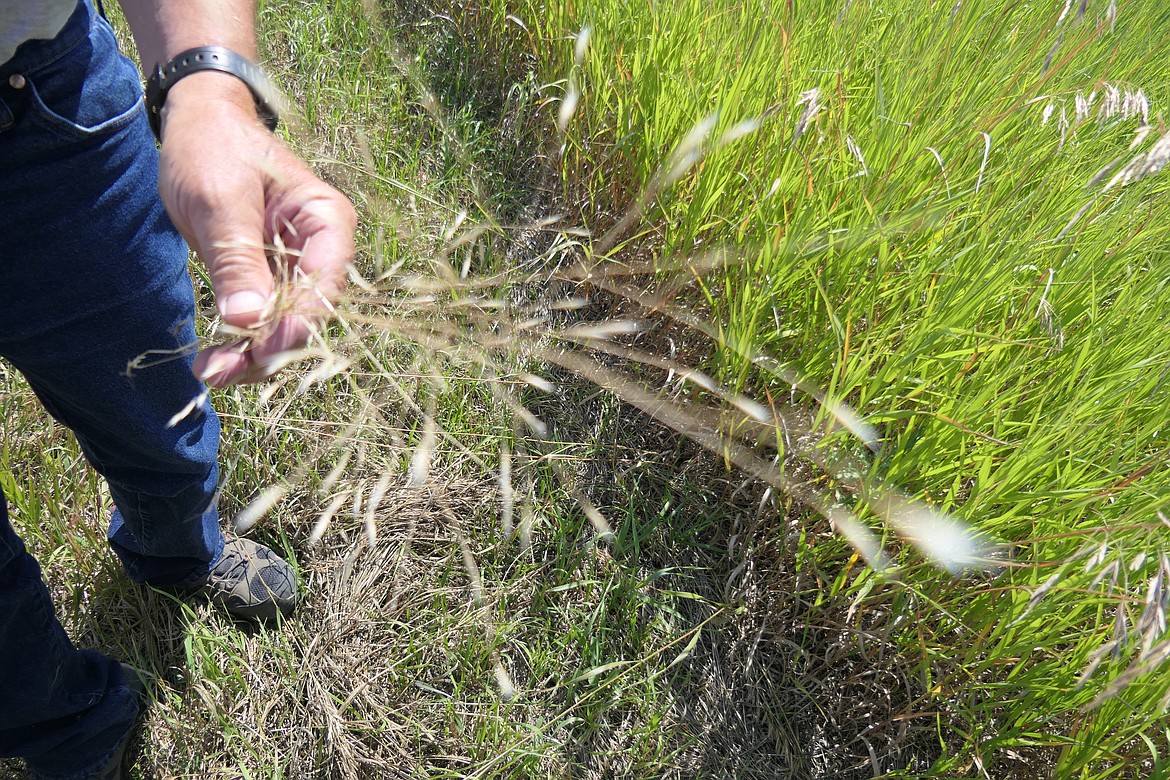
(913, 240)
(926, 247)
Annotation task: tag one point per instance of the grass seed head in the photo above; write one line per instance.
(568, 106)
(1110, 103)
(1083, 106)
(810, 99)
(581, 45)
(855, 150)
(258, 507)
(507, 494)
(420, 462)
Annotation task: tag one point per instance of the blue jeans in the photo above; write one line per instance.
(93, 275)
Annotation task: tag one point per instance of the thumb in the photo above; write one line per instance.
(231, 244)
(221, 214)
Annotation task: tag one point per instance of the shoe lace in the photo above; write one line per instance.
(232, 566)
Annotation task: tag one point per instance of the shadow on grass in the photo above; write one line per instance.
(776, 682)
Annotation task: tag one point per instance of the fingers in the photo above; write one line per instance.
(222, 366)
(234, 245)
(323, 229)
(260, 220)
(320, 246)
(248, 361)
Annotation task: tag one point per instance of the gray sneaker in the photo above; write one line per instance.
(251, 581)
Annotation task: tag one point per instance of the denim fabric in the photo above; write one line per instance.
(64, 710)
(92, 276)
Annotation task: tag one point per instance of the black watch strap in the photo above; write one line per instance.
(210, 58)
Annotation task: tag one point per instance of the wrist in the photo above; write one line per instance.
(207, 79)
(207, 93)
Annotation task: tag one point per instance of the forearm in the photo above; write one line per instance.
(163, 28)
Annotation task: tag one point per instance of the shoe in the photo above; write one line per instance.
(251, 582)
(113, 770)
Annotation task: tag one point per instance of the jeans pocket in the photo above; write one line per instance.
(91, 91)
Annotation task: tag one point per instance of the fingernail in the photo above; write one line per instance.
(246, 302)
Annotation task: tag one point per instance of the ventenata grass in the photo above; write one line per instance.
(893, 203)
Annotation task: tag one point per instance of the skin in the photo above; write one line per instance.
(232, 188)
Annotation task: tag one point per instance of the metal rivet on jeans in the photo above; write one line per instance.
(16, 81)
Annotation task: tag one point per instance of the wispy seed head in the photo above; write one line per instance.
(810, 99)
(581, 45)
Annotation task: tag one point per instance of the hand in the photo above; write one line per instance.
(236, 192)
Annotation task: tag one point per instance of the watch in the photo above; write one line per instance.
(203, 58)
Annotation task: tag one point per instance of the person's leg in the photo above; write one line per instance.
(92, 277)
(64, 710)
(97, 309)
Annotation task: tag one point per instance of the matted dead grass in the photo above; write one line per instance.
(377, 675)
(444, 650)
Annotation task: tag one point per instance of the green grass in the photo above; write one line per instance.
(724, 631)
(964, 288)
